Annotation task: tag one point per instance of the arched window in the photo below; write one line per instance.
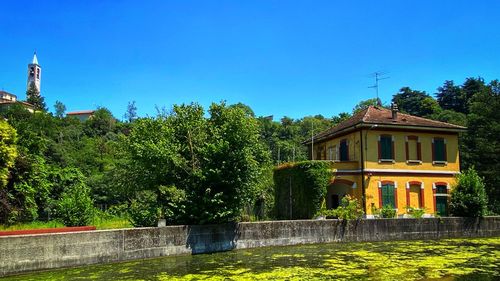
(440, 190)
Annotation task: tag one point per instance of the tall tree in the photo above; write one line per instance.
(366, 103)
(450, 97)
(482, 141)
(33, 97)
(60, 109)
(131, 113)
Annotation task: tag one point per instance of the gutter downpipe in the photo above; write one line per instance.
(363, 186)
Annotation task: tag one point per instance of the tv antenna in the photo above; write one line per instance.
(378, 75)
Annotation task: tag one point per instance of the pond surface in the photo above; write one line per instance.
(451, 259)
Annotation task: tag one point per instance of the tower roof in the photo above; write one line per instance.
(35, 60)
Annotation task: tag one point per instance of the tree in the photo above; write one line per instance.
(366, 103)
(214, 165)
(60, 109)
(414, 102)
(482, 141)
(468, 198)
(450, 97)
(33, 97)
(8, 151)
(131, 113)
(101, 123)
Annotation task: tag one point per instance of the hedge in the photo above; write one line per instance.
(308, 182)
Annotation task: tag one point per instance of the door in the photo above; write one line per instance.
(442, 205)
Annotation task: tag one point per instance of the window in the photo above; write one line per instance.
(413, 149)
(441, 200)
(386, 147)
(331, 153)
(387, 192)
(439, 150)
(38, 73)
(344, 150)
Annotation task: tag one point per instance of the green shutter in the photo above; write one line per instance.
(439, 149)
(386, 145)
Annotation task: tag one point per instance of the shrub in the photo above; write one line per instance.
(144, 209)
(468, 198)
(349, 209)
(387, 212)
(307, 181)
(416, 213)
(75, 208)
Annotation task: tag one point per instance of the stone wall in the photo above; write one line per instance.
(45, 251)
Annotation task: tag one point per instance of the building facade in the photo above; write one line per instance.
(384, 157)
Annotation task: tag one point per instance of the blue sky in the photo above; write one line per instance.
(292, 58)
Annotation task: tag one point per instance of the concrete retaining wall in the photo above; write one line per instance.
(45, 251)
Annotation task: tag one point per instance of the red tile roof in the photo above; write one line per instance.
(374, 115)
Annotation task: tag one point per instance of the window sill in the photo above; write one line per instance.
(419, 162)
(387, 161)
(444, 163)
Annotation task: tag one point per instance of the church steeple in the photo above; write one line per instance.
(35, 60)
(34, 73)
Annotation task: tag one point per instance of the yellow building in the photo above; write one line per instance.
(384, 158)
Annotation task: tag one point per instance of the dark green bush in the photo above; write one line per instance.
(144, 209)
(468, 198)
(307, 181)
(76, 208)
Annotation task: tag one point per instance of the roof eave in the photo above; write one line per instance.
(459, 129)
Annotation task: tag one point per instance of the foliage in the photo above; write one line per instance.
(33, 97)
(468, 198)
(366, 103)
(59, 109)
(416, 213)
(349, 209)
(144, 210)
(131, 113)
(415, 102)
(387, 212)
(75, 208)
(8, 151)
(305, 184)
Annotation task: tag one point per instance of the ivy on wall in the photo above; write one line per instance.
(300, 188)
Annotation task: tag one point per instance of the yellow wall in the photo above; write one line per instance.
(371, 156)
(372, 190)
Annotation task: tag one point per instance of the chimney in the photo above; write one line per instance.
(394, 109)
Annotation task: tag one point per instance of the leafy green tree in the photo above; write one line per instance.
(8, 151)
(60, 109)
(468, 198)
(414, 102)
(75, 208)
(366, 103)
(101, 123)
(482, 146)
(33, 97)
(450, 97)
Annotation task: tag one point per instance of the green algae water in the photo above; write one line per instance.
(451, 259)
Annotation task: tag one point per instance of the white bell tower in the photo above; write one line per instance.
(34, 73)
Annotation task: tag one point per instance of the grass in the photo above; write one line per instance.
(100, 222)
(32, 225)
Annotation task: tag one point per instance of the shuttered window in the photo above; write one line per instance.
(388, 195)
(439, 149)
(386, 151)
